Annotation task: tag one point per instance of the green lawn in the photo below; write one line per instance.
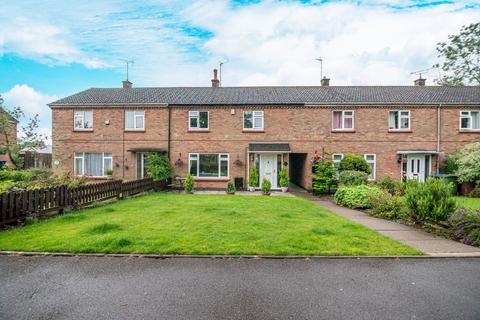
(473, 203)
(167, 223)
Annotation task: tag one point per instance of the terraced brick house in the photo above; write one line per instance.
(217, 133)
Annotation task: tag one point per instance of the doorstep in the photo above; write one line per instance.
(419, 239)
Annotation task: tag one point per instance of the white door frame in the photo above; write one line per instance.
(416, 167)
(274, 174)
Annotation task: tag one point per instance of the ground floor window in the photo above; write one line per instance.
(92, 164)
(372, 161)
(336, 158)
(208, 165)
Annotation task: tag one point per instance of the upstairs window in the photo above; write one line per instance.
(134, 120)
(372, 161)
(343, 120)
(253, 120)
(470, 120)
(198, 120)
(208, 165)
(399, 120)
(83, 120)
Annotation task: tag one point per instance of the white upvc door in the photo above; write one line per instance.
(416, 167)
(268, 168)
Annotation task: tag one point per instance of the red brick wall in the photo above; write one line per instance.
(305, 129)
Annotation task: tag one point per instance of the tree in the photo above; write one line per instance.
(29, 140)
(461, 56)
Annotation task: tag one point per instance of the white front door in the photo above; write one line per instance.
(416, 167)
(268, 168)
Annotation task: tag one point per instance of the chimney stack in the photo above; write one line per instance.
(419, 82)
(325, 82)
(215, 81)
(127, 84)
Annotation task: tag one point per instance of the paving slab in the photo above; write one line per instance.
(419, 239)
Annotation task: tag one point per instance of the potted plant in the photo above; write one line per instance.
(266, 186)
(284, 180)
(252, 179)
(109, 173)
(189, 184)
(230, 188)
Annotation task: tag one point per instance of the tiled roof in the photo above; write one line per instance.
(275, 95)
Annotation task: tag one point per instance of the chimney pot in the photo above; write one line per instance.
(325, 82)
(419, 82)
(127, 84)
(215, 81)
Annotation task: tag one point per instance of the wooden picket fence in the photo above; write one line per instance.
(15, 206)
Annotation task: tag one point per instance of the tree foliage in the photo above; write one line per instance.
(29, 139)
(354, 162)
(158, 166)
(461, 56)
(468, 163)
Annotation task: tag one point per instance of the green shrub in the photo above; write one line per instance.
(253, 177)
(189, 184)
(475, 193)
(465, 226)
(429, 201)
(356, 196)
(158, 166)
(394, 187)
(468, 163)
(323, 179)
(266, 186)
(284, 177)
(230, 187)
(352, 178)
(389, 207)
(353, 162)
(450, 165)
(109, 172)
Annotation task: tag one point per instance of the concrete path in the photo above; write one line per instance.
(424, 241)
(254, 289)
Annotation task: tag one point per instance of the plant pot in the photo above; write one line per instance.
(231, 193)
(284, 189)
(251, 189)
(188, 192)
(266, 193)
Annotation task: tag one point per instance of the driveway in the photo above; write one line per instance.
(195, 288)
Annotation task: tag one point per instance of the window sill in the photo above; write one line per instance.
(469, 131)
(211, 179)
(96, 177)
(198, 131)
(399, 131)
(134, 130)
(253, 131)
(82, 130)
(343, 131)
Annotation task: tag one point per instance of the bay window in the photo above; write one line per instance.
(134, 120)
(198, 120)
(83, 120)
(470, 120)
(343, 120)
(253, 120)
(92, 164)
(399, 120)
(208, 165)
(371, 160)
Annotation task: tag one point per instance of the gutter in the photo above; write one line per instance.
(169, 132)
(439, 107)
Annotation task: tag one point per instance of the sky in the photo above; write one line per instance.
(51, 49)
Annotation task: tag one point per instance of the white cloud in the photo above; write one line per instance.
(275, 43)
(32, 102)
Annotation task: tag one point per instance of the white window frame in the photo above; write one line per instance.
(374, 162)
(81, 114)
(255, 114)
(196, 156)
(343, 120)
(468, 116)
(400, 116)
(196, 114)
(81, 155)
(136, 114)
